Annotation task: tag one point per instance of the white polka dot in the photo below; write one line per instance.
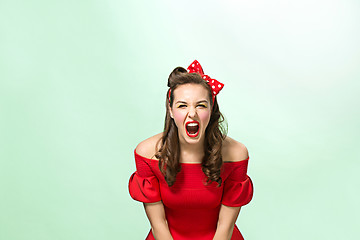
(212, 81)
(193, 65)
(214, 92)
(204, 77)
(213, 86)
(219, 86)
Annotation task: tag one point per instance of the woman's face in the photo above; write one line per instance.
(191, 112)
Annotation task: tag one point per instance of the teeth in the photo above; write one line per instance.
(192, 124)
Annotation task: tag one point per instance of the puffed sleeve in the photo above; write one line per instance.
(238, 187)
(143, 184)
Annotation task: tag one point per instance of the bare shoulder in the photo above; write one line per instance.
(234, 151)
(149, 146)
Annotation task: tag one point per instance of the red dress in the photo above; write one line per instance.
(191, 208)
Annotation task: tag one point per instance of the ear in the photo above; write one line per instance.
(170, 111)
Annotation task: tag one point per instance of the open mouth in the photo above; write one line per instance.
(192, 128)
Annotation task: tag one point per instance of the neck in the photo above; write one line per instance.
(192, 152)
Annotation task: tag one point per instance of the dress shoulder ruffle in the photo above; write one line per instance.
(238, 187)
(143, 183)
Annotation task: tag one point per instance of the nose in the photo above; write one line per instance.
(192, 112)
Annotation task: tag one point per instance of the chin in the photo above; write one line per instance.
(193, 139)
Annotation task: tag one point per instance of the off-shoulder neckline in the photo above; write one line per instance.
(235, 162)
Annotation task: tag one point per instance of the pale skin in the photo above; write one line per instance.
(191, 102)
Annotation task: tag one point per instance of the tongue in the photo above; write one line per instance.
(192, 129)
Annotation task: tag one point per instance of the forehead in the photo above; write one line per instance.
(191, 92)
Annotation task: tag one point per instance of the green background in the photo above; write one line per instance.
(83, 82)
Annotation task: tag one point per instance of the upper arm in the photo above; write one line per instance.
(156, 215)
(228, 216)
(155, 212)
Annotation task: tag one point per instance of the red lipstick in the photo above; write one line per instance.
(192, 128)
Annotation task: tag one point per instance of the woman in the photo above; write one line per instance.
(192, 177)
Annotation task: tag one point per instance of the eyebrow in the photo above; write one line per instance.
(197, 102)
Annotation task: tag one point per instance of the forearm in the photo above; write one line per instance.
(226, 222)
(159, 226)
(223, 232)
(161, 231)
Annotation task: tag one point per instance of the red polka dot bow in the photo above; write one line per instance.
(215, 85)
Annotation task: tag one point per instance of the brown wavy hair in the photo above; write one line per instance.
(169, 151)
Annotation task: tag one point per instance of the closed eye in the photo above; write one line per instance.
(181, 105)
(202, 105)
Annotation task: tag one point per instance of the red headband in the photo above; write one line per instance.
(214, 84)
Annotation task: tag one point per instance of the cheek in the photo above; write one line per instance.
(204, 116)
(178, 117)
